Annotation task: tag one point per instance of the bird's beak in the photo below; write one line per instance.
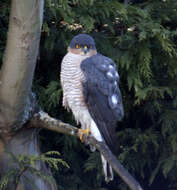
(85, 49)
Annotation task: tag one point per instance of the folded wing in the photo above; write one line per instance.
(102, 95)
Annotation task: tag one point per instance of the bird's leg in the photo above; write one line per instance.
(83, 132)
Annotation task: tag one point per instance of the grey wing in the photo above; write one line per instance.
(102, 95)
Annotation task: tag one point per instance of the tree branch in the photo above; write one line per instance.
(43, 120)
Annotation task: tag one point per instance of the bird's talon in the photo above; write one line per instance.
(83, 132)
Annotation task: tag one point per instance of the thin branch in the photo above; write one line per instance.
(116, 165)
(43, 120)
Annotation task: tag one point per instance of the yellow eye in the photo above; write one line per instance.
(77, 46)
(85, 47)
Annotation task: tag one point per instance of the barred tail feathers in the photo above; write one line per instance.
(107, 169)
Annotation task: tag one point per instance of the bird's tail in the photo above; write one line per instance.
(107, 169)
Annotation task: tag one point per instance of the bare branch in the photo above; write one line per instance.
(43, 120)
(116, 165)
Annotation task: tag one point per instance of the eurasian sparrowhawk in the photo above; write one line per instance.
(90, 90)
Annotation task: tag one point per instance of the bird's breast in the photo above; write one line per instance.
(71, 79)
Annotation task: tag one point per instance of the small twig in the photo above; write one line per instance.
(43, 120)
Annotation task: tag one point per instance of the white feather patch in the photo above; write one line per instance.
(111, 67)
(109, 74)
(114, 99)
(95, 132)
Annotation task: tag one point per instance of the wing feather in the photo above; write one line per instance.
(102, 95)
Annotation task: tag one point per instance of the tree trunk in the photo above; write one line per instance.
(24, 142)
(17, 103)
(19, 61)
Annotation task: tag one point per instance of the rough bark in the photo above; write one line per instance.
(17, 103)
(19, 62)
(43, 120)
(24, 142)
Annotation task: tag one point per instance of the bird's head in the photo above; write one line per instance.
(82, 44)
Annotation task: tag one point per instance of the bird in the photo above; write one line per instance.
(90, 84)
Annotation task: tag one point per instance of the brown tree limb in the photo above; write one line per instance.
(43, 120)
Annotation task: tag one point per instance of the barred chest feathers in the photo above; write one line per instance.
(71, 80)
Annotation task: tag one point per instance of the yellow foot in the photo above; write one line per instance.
(83, 132)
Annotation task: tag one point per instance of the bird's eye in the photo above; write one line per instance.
(77, 46)
(85, 47)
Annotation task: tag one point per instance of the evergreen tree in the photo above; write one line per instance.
(141, 37)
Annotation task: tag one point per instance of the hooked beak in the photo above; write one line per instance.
(85, 49)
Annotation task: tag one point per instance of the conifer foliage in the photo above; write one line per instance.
(24, 164)
(141, 37)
